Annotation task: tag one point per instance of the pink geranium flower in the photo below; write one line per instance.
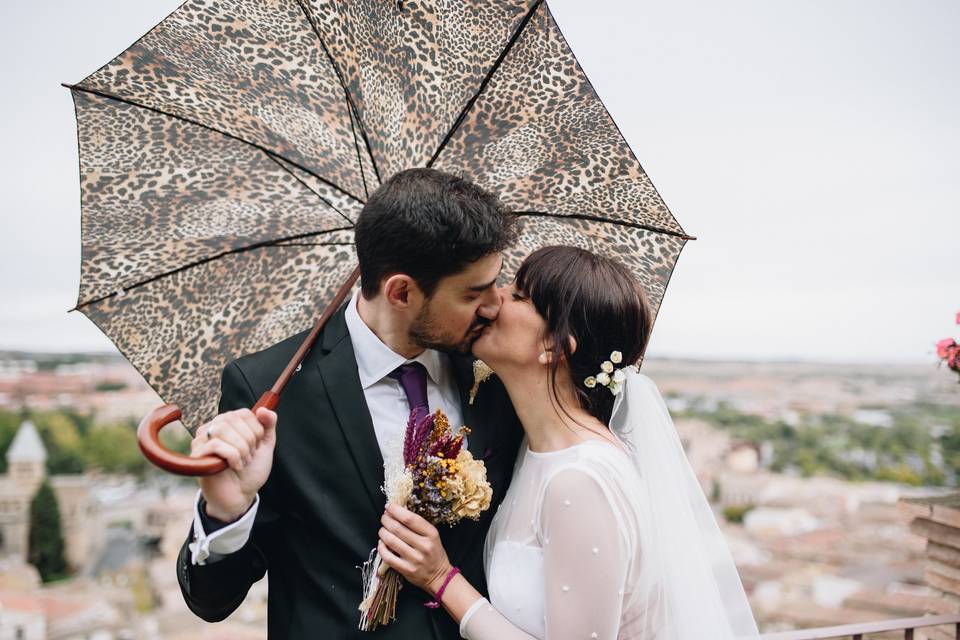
(944, 347)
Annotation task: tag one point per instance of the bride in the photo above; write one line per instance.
(604, 531)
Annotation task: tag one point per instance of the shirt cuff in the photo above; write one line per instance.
(228, 539)
(465, 620)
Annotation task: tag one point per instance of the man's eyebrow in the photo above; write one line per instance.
(487, 285)
(484, 286)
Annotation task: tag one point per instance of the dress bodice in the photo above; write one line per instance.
(578, 505)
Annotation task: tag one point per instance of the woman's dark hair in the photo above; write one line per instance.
(595, 300)
(428, 225)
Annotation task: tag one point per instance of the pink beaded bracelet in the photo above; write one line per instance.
(435, 603)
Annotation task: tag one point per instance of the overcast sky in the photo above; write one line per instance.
(812, 147)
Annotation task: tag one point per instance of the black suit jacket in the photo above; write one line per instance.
(320, 509)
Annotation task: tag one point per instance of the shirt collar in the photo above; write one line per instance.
(375, 359)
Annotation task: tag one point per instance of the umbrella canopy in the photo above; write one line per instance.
(225, 156)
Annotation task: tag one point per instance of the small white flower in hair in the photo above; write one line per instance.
(611, 377)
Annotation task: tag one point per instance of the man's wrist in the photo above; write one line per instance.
(226, 515)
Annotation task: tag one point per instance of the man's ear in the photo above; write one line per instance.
(397, 289)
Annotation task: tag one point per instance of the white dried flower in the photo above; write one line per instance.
(607, 366)
(397, 480)
(619, 376)
(616, 357)
(603, 378)
(590, 382)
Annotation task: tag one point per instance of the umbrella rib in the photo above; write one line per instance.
(110, 96)
(316, 244)
(656, 312)
(217, 256)
(486, 80)
(591, 218)
(310, 189)
(356, 145)
(350, 103)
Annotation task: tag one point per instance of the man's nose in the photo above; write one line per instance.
(490, 309)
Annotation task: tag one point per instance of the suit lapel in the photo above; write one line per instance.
(338, 369)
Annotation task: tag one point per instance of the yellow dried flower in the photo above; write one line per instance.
(476, 494)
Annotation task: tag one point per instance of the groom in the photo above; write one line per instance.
(304, 502)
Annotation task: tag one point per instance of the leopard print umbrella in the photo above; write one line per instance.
(225, 155)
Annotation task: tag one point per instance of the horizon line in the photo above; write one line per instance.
(718, 359)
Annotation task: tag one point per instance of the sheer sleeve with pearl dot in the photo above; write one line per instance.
(585, 563)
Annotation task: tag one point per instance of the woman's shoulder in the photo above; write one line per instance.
(593, 463)
(598, 486)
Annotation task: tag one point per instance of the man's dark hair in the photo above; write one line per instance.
(428, 225)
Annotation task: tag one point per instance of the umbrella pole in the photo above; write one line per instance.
(148, 433)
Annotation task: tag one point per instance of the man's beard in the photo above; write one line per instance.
(424, 333)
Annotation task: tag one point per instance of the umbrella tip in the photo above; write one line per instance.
(66, 85)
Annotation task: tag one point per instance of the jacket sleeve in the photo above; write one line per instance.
(215, 589)
(213, 539)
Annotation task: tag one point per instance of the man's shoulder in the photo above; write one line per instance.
(263, 367)
(278, 353)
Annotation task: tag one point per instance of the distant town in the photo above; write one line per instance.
(804, 463)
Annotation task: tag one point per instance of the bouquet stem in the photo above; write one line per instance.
(381, 586)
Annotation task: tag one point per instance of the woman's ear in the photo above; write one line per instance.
(546, 356)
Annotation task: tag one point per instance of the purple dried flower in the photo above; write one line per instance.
(416, 436)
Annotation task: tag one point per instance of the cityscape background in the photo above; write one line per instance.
(811, 148)
(806, 466)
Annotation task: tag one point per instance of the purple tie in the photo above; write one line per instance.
(413, 379)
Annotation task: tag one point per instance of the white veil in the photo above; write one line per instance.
(694, 580)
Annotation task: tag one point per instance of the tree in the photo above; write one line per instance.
(112, 448)
(63, 442)
(9, 423)
(46, 548)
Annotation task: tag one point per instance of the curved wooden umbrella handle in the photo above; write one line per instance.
(148, 437)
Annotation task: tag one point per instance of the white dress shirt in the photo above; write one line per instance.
(388, 407)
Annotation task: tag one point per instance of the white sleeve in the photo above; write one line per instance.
(585, 567)
(210, 548)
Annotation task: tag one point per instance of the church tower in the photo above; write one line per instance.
(26, 458)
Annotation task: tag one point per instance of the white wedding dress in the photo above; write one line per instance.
(563, 555)
(600, 541)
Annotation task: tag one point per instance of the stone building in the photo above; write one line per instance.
(26, 470)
